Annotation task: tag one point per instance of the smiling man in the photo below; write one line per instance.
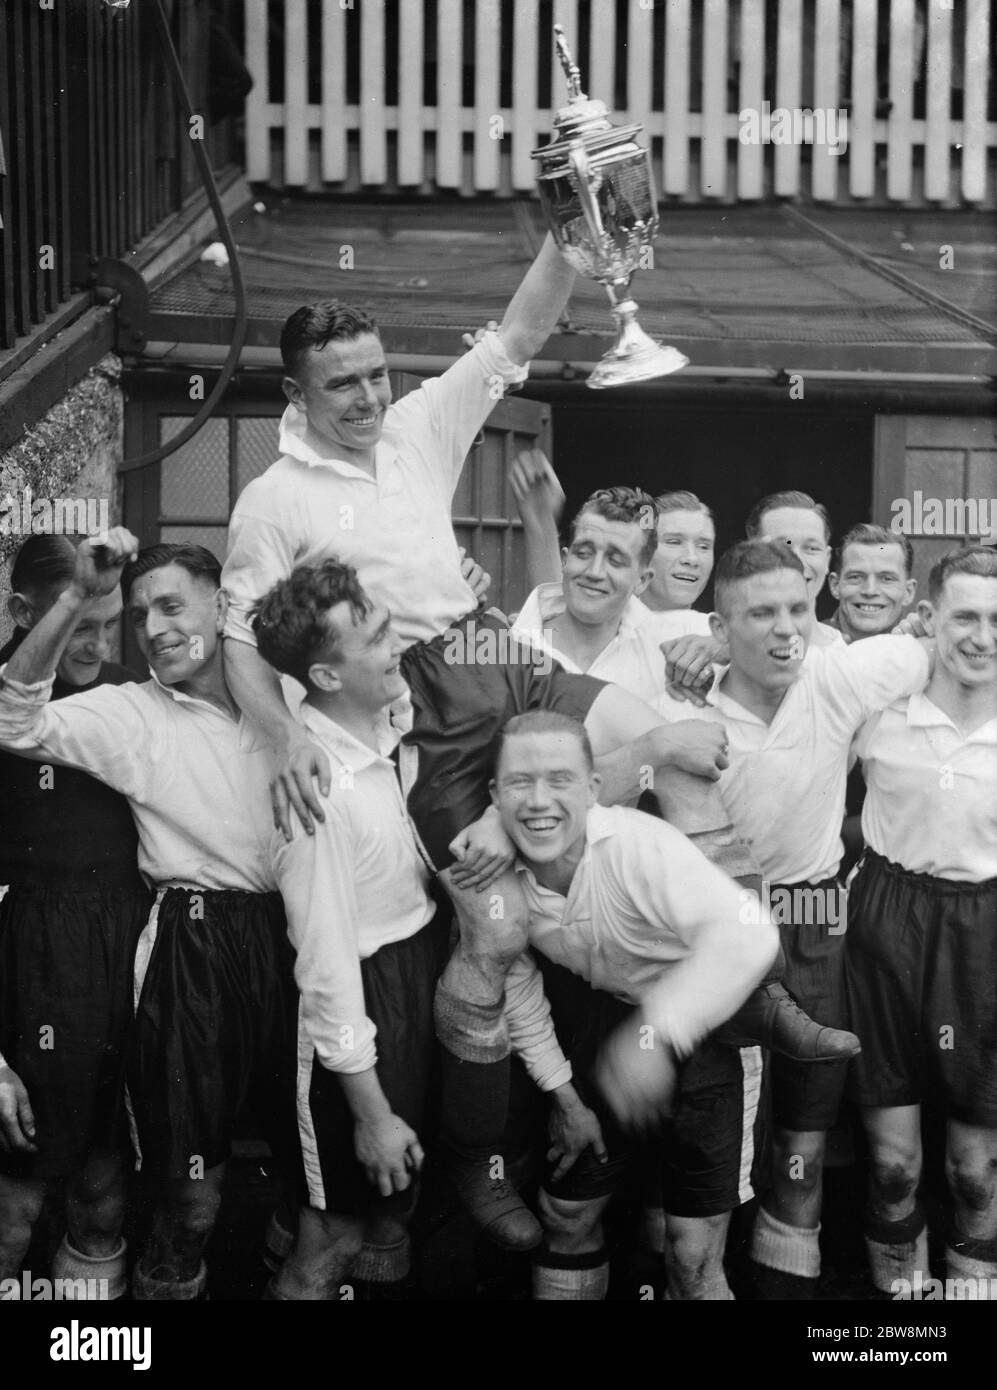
(790, 723)
(623, 903)
(683, 563)
(921, 954)
(214, 984)
(591, 619)
(872, 582)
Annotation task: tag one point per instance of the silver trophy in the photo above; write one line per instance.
(597, 191)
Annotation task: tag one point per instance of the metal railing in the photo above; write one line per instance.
(95, 153)
(453, 94)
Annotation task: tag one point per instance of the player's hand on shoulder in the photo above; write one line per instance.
(637, 1074)
(388, 1150)
(99, 562)
(689, 662)
(483, 851)
(301, 779)
(17, 1121)
(913, 625)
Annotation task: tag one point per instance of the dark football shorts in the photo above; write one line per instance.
(66, 957)
(807, 1096)
(465, 684)
(921, 991)
(701, 1157)
(215, 1030)
(399, 982)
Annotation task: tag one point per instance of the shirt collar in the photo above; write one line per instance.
(923, 713)
(181, 697)
(350, 751)
(733, 709)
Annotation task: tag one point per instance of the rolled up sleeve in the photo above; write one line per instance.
(458, 402)
(531, 1028)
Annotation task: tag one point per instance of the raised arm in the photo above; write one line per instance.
(98, 572)
(540, 499)
(537, 305)
(103, 731)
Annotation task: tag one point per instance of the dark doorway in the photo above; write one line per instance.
(729, 458)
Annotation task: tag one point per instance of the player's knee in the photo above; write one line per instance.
(693, 1250)
(972, 1180)
(195, 1209)
(894, 1168)
(101, 1181)
(894, 1178)
(569, 1227)
(20, 1207)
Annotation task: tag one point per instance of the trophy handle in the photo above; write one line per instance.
(580, 165)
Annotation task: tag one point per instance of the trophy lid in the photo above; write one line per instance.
(583, 113)
(584, 118)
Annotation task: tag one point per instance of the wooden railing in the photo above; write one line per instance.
(453, 94)
(95, 152)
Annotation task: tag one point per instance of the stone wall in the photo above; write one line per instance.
(68, 457)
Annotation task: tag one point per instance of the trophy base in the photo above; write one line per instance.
(624, 368)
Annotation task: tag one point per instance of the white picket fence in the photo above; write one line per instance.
(717, 63)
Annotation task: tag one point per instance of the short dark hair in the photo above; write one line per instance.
(43, 566)
(866, 533)
(802, 500)
(314, 325)
(195, 559)
(290, 621)
(682, 501)
(970, 559)
(627, 504)
(545, 721)
(744, 560)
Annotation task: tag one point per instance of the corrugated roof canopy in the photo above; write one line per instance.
(734, 288)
